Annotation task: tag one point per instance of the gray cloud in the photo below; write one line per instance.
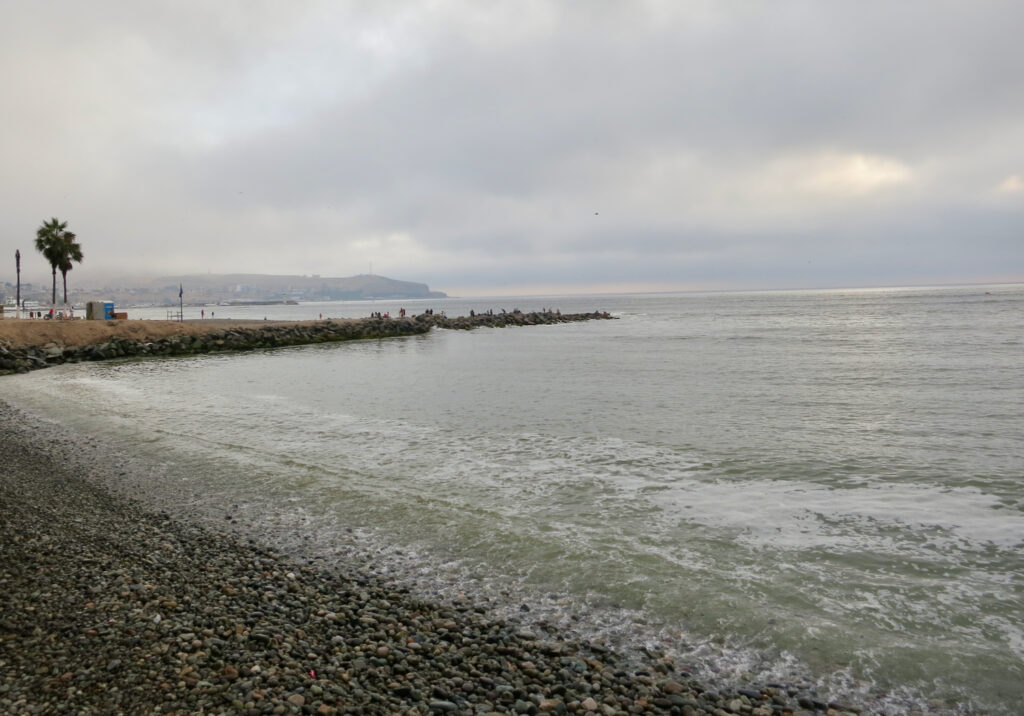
(522, 144)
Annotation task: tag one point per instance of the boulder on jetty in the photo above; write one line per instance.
(250, 336)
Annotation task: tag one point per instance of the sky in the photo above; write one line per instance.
(488, 147)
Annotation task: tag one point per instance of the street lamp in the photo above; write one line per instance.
(17, 300)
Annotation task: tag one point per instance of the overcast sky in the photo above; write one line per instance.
(494, 147)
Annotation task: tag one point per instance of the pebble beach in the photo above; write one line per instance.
(109, 606)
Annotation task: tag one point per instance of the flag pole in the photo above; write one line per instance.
(17, 301)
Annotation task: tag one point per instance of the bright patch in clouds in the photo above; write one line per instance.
(854, 174)
(797, 190)
(1012, 184)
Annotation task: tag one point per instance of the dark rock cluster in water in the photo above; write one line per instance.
(24, 359)
(107, 607)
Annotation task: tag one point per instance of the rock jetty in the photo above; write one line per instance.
(257, 336)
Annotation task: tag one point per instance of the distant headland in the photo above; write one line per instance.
(201, 289)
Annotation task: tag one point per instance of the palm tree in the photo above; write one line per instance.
(72, 254)
(47, 239)
(60, 248)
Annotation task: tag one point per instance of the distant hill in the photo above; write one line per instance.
(297, 288)
(222, 288)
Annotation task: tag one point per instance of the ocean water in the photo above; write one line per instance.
(813, 487)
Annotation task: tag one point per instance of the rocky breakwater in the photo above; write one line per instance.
(515, 318)
(21, 359)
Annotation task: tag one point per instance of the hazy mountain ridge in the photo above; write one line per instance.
(218, 288)
(308, 288)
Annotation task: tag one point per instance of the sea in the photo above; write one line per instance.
(820, 487)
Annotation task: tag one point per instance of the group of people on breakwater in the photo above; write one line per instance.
(401, 313)
(429, 313)
(472, 313)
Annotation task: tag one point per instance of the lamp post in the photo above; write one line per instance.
(17, 300)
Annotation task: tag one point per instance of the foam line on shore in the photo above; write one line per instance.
(110, 606)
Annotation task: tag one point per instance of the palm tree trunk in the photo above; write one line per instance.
(53, 297)
(64, 276)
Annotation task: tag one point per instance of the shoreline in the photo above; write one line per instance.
(110, 605)
(32, 345)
